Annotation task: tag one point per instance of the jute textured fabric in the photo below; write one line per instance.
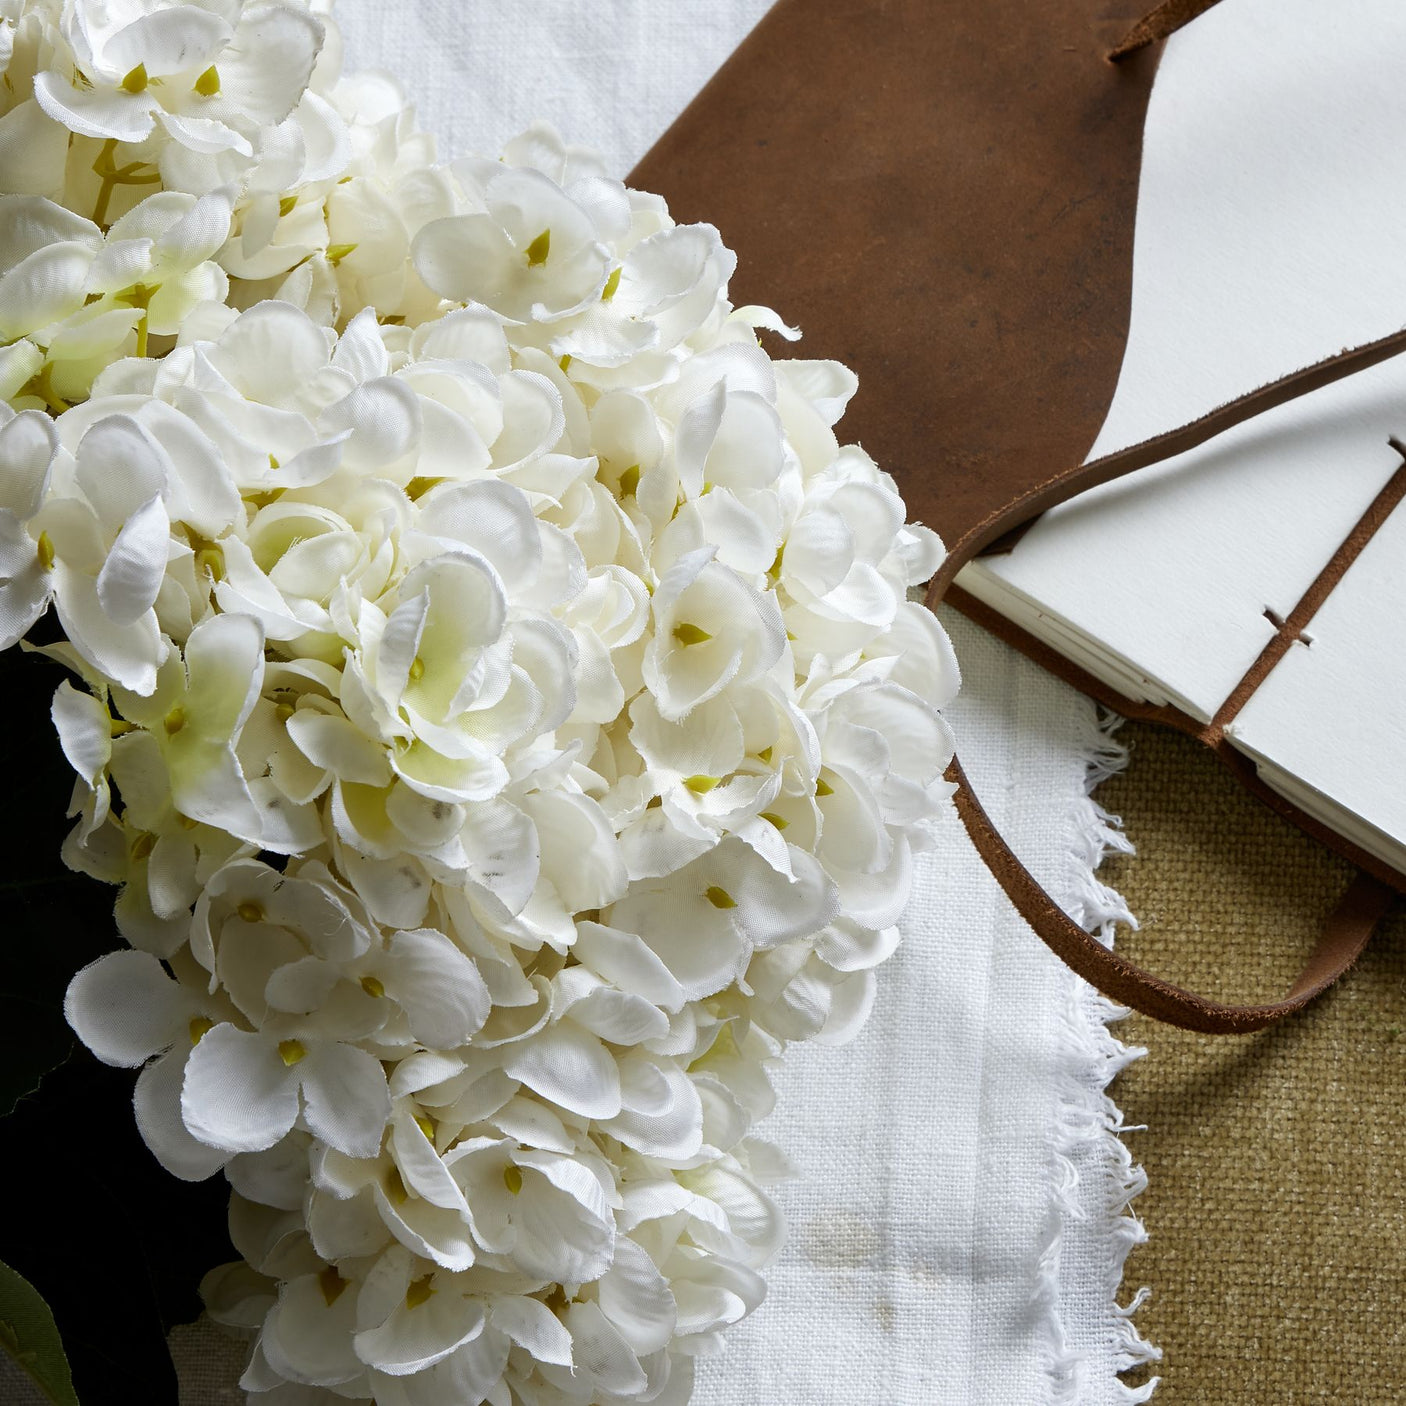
(1276, 1210)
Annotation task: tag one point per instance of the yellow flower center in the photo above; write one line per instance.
(331, 1283)
(538, 250)
(210, 560)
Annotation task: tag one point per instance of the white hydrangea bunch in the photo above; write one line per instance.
(496, 696)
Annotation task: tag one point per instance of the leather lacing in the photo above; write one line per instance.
(1368, 898)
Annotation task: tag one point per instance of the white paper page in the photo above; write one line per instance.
(1270, 211)
(1333, 712)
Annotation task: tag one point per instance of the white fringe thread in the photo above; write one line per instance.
(1084, 1138)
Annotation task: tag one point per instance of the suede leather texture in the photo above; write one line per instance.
(942, 197)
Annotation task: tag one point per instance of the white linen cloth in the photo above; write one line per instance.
(958, 1231)
(958, 1234)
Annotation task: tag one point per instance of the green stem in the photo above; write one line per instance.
(103, 167)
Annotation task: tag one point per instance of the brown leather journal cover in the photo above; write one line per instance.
(942, 196)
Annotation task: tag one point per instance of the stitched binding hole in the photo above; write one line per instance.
(1303, 637)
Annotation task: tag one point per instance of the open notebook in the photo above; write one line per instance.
(1270, 232)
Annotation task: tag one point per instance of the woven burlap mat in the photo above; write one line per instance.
(1276, 1208)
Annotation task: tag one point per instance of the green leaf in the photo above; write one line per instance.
(28, 1333)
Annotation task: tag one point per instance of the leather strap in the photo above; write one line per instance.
(1367, 899)
(1157, 24)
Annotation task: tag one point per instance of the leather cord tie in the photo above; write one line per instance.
(1366, 901)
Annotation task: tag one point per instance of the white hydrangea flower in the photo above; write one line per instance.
(496, 696)
(204, 74)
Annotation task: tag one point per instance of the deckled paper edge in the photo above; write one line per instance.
(1093, 1176)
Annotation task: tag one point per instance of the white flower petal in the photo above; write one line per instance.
(238, 1094)
(301, 986)
(436, 985)
(120, 466)
(619, 1018)
(395, 891)
(501, 845)
(128, 654)
(635, 1297)
(25, 595)
(84, 727)
(167, 41)
(568, 1067)
(125, 1008)
(579, 853)
(565, 1230)
(442, 1236)
(472, 1372)
(275, 1178)
(343, 1227)
(421, 1167)
(197, 235)
(136, 564)
(157, 1103)
(495, 520)
(382, 422)
(105, 113)
(43, 288)
(33, 149)
(414, 1338)
(676, 1133)
(627, 961)
(532, 1325)
(307, 1335)
(28, 443)
(333, 744)
(346, 1101)
(602, 1357)
(267, 66)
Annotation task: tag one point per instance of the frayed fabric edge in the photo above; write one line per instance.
(1085, 1141)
